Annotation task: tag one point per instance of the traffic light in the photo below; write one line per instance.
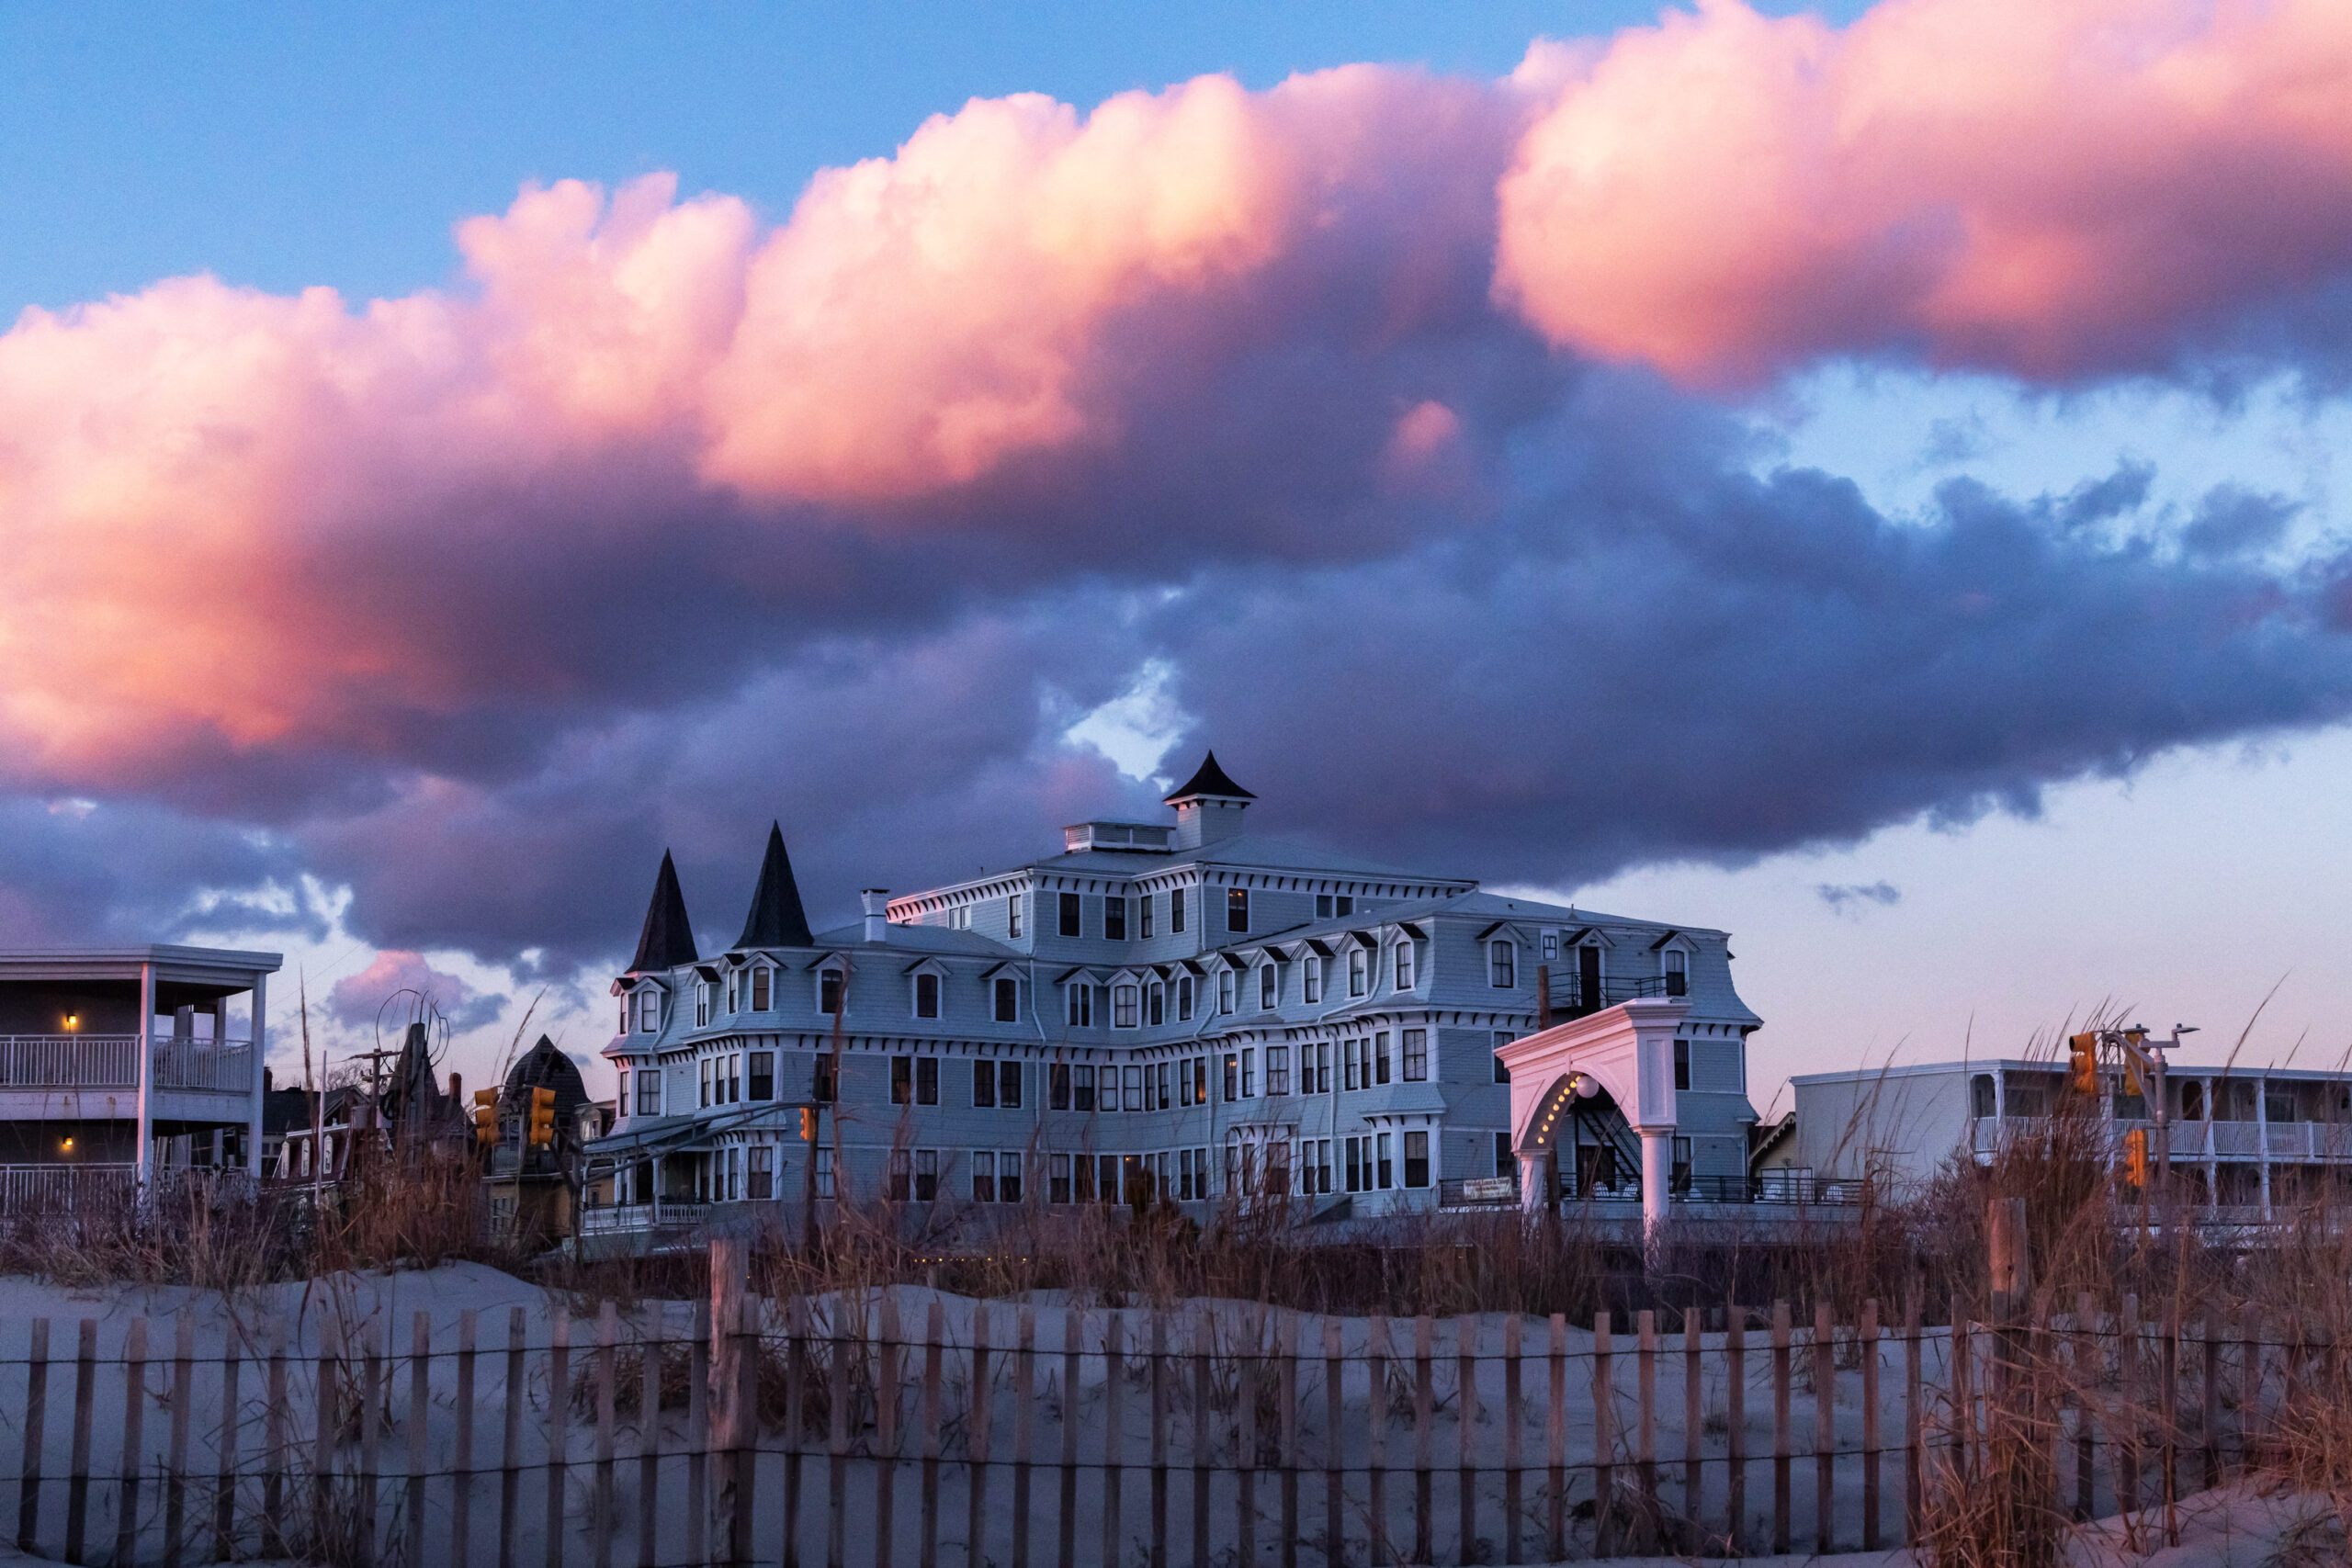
(486, 1118)
(2081, 1063)
(2135, 1156)
(808, 1123)
(541, 1131)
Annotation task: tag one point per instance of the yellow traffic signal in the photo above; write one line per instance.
(808, 1123)
(541, 1131)
(2135, 1156)
(486, 1118)
(2081, 1063)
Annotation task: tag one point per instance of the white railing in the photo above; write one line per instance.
(69, 1061)
(64, 1188)
(226, 1065)
(661, 1214)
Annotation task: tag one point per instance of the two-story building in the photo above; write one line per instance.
(1182, 1008)
(119, 1063)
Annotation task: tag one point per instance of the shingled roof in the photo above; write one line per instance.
(1208, 779)
(668, 939)
(776, 918)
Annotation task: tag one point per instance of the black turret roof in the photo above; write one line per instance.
(1209, 779)
(544, 1067)
(668, 939)
(776, 918)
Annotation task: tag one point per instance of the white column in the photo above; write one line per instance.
(2262, 1138)
(1658, 1175)
(260, 1047)
(1534, 1180)
(143, 1151)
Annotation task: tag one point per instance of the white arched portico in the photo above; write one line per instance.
(1629, 1051)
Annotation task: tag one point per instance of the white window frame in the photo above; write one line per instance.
(938, 994)
(1126, 1005)
(763, 980)
(1403, 970)
(1311, 978)
(1502, 964)
(1359, 970)
(1270, 988)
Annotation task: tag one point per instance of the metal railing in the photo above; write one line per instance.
(662, 1214)
(224, 1066)
(69, 1061)
(33, 1189)
(1572, 998)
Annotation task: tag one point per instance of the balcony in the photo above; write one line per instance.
(1572, 998)
(69, 1061)
(36, 1190)
(223, 1067)
(661, 1214)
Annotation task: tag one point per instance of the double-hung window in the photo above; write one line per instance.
(1149, 902)
(1008, 1001)
(1013, 917)
(984, 1177)
(1405, 965)
(761, 1174)
(763, 1075)
(1416, 1055)
(926, 995)
(1380, 1057)
(763, 984)
(1502, 1038)
(1008, 1177)
(1072, 915)
(1082, 1005)
(1124, 1005)
(649, 1011)
(1236, 910)
(1183, 998)
(649, 1092)
(1269, 987)
(1359, 971)
(1176, 909)
(1225, 990)
(1277, 1070)
(1502, 964)
(1311, 978)
(1155, 1009)
(829, 992)
(1416, 1159)
(1682, 1063)
(984, 1085)
(1081, 1090)
(1678, 973)
(1115, 918)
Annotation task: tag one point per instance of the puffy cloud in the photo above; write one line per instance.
(2053, 188)
(662, 523)
(398, 987)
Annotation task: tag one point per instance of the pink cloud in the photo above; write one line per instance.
(357, 999)
(2053, 189)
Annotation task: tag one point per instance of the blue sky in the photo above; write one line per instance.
(2183, 867)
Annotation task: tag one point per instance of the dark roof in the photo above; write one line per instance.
(668, 939)
(544, 1067)
(1209, 779)
(776, 918)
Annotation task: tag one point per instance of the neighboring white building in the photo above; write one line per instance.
(117, 1062)
(2241, 1137)
(1181, 1004)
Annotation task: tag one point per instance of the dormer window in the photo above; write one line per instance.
(763, 988)
(1311, 978)
(1359, 971)
(1677, 972)
(1082, 1005)
(1183, 998)
(1405, 965)
(1269, 988)
(1502, 964)
(828, 991)
(1124, 1005)
(706, 996)
(1155, 1009)
(1225, 990)
(926, 995)
(1008, 1000)
(649, 1011)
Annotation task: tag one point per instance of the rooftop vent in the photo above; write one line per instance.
(1126, 838)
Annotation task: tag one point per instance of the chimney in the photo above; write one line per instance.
(877, 913)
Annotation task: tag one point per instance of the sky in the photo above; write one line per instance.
(1862, 479)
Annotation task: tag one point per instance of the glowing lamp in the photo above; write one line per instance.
(73, 1021)
(68, 1144)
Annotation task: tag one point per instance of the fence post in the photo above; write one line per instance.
(1645, 1439)
(77, 1486)
(1066, 1520)
(1114, 1431)
(1286, 1372)
(1245, 1459)
(559, 1428)
(134, 1410)
(607, 1516)
(1825, 1426)
(1555, 1437)
(420, 1409)
(1376, 1348)
(1871, 1436)
(1024, 1422)
(461, 1484)
(1736, 1424)
(514, 1396)
(1914, 1418)
(1424, 1396)
(224, 1477)
(36, 1417)
(982, 1401)
(1203, 1344)
(728, 1276)
(1693, 1416)
(1160, 1402)
(886, 1430)
(1604, 1437)
(1514, 1501)
(1466, 1353)
(183, 1396)
(1781, 1446)
(933, 1327)
(274, 1428)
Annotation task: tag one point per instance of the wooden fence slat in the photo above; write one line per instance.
(1066, 1521)
(1424, 1396)
(1913, 1417)
(1736, 1426)
(2249, 1385)
(1376, 1356)
(515, 1397)
(796, 1428)
(2209, 1348)
(372, 1376)
(327, 1438)
(134, 1460)
(935, 1329)
(36, 1419)
(1961, 1357)
(1604, 1439)
(2168, 1415)
(77, 1485)
(1645, 1441)
(1871, 1437)
(226, 1449)
(2088, 1357)
(1465, 1352)
(1286, 1374)
(698, 1500)
(420, 1414)
(461, 1484)
(274, 1430)
(1694, 1425)
(2123, 1436)
(1025, 1404)
(1824, 1427)
(1159, 1409)
(607, 1512)
(885, 1434)
(1246, 1456)
(558, 1454)
(1113, 1432)
(1203, 1344)
(1555, 1437)
(1781, 1442)
(837, 1439)
(976, 1438)
(182, 1403)
(1514, 1533)
(1335, 1458)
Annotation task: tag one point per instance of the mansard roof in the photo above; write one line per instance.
(1208, 779)
(668, 939)
(776, 918)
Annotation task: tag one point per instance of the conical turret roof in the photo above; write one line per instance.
(776, 918)
(1208, 779)
(668, 939)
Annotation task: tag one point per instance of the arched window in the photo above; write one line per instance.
(1983, 1100)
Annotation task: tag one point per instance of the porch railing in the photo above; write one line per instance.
(29, 1190)
(69, 1061)
(225, 1065)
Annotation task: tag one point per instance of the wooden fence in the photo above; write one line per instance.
(915, 1428)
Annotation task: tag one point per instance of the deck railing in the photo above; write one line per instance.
(36, 1190)
(225, 1065)
(69, 1061)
